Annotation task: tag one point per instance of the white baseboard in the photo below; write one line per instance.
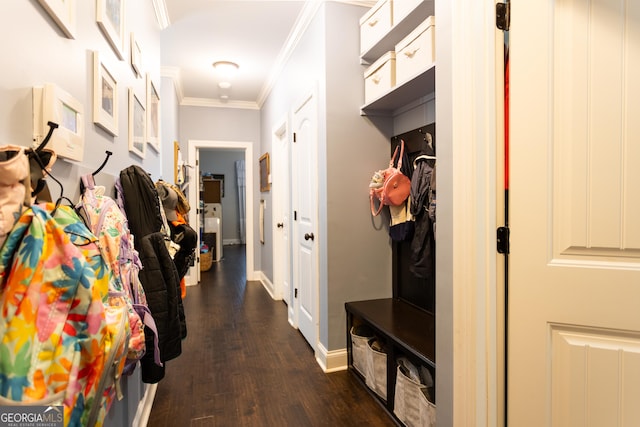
(231, 242)
(331, 361)
(268, 285)
(144, 407)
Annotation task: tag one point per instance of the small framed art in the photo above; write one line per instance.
(105, 97)
(110, 19)
(264, 173)
(137, 125)
(153, 114)
(136, 56)
(63, 12)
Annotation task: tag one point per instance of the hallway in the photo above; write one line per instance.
(242, 364)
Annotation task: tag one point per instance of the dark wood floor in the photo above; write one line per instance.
(242, 364)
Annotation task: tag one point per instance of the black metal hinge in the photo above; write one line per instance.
(503, 16)
(295, 293)
(294, 137)
(503, 240)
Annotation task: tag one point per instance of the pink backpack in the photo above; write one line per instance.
(107, 221)
(390, 186)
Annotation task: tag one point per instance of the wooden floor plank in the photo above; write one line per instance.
(242, 364)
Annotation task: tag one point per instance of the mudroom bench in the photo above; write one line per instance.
(379, 333)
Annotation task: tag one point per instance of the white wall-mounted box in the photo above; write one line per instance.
(401, 8)
(416, 52)
(375, 24)
(53, 104)
(380, 77)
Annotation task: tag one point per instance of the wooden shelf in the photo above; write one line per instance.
(407, 326)
(399, 30)
(422, 84)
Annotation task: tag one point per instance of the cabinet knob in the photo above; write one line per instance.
(308, 236)
(280, 225)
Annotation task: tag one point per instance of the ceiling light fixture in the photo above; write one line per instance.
(224, 85)
(226, 66)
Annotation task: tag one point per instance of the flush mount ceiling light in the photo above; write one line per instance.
(227, 67)
(224, 85)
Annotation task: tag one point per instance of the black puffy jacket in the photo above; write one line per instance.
(159, 279)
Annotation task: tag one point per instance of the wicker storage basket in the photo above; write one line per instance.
(411, 405)
(376, 369)
(359, 338)
(206, 259)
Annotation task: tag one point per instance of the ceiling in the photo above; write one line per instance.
(256, 34)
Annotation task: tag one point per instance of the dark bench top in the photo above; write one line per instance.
(406, 325)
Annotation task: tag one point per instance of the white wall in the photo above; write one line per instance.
(35, 51)
(231, 125)
(350, 148)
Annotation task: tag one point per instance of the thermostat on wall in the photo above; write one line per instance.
(52, 104)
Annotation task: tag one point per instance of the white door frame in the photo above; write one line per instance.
(193, 152)
(468, 121)
(281, 202)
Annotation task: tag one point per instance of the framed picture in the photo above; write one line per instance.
(110, 19)
(137, 125)
(153, 114)
(63, 12)
(136, 56)
(265, 185)
(105, 97)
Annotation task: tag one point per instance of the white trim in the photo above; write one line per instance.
(174, 74)
(331, 361)
(144, 406)
(216, 103)
(466, 107)
(162, 14)
(300, 27)
(193, 145)
(268, 285)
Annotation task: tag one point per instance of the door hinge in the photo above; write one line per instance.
(294, 137)
(295, 215)
(503, 240)
(295, 293)
(197, 162)
(503, 16)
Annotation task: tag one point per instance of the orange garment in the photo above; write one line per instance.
(183, 288)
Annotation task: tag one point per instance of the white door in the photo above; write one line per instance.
(574, 282)
(281, 189)
(305, 196)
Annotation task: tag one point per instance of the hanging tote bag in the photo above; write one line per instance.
(390, 186)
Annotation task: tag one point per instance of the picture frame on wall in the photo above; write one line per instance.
(136, 56)
(105, 97)
(153, 114)
(63, 13)
(110, 18)
(137, 125)
(265, 185)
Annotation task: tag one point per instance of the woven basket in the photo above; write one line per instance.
(206, 259)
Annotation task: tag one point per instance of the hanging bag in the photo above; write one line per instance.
(390, 186)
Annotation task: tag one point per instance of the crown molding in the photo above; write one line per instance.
(162, 14)
(303, 21)
(174, 74)
(216, 103)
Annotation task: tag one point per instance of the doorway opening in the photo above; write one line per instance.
(194, 147)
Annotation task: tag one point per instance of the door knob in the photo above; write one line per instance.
(280, 225)
(308, 236)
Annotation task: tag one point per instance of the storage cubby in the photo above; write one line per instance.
(405, 323)
(406, 330)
